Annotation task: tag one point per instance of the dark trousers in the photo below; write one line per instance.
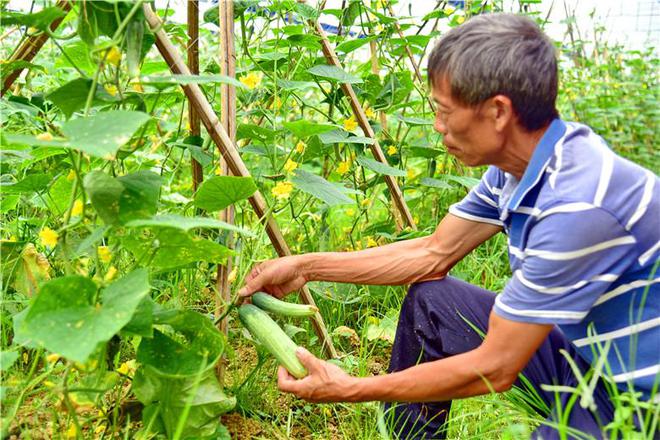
(432, 326)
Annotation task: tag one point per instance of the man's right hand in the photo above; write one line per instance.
(276, 277)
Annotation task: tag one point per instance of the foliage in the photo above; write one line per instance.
(109, 254)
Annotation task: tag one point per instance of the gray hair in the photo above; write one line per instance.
(500, 54)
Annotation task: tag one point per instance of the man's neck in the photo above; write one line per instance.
(518, 150)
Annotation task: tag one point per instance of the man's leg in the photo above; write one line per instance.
(432, 326)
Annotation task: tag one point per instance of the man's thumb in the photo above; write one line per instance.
(305, 357)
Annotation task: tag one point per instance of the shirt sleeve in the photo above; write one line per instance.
(481, 203)
(570, 259)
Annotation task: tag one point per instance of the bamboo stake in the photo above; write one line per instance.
(362, 120)
(228, 120)
(30, 47)
(193, 65)
(231, 155)
(418, 74)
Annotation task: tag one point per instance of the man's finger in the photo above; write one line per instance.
(251, 286)
(286, 382)
(307, 359)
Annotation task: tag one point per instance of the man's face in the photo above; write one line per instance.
(468, 133)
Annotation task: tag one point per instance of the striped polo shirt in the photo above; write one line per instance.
(583, 227)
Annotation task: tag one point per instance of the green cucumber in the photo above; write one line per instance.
(271, 336)
(271, 304)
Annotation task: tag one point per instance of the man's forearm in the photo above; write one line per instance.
(402, 262)
(455, 377)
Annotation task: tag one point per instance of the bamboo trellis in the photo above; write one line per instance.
(234, 162)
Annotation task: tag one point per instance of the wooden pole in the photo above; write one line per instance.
(30, 47)
(229, 151)
(362, 120)
(193, 65)
(228, 120)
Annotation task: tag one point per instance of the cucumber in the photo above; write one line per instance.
(271, 336)
(271, 304)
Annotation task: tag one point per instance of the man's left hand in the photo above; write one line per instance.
(325, 383)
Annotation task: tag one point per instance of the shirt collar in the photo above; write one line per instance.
(537, 164)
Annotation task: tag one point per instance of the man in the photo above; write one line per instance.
(583, 236)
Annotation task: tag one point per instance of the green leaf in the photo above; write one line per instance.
(122, 199)
(59, 195)
(435, 183)
(219, 192)
(173, 248)
(186, 223)
(33, 183)
(306, 11)
(342, 136)
(466, 181)
(103, 134)
(296, 85)
(141, 324)
(380, 167)
(39, 20)
(10, 66)
(426, 152)
(384, 329)
(412, 121)
(303, 128)
(317, 186)
(192, 79)
(351, 45)
(334, 73)
(7, 359)
(65, 318)
(72, 96)
(255, 133)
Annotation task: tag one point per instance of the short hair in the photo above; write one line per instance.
(495, 54)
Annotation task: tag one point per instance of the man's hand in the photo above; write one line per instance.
(325, 383)
(277, 277)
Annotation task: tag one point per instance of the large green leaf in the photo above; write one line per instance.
(32, 183)
(187, 223)
(72, 96)
(192, 79)
(39, 20)
(317, 186)
(342, 136)
(435, 183)
(218, 192)
(351, 45)
(303, 128)
(75, 53)
(380, 167)
(103, 134)
(334, 73)
(174, 248)
(255, 133)
(125, 198)
(66, 318)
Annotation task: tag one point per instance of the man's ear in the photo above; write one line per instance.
(501, 111)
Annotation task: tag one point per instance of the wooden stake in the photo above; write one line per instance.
(193, 65)
(231, 155)
(228, 120)
(31, 46)
(362, 120)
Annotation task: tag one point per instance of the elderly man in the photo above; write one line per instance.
(583, 238)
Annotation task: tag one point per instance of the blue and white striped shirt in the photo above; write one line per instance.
(584, 240)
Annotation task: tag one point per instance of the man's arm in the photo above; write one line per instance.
(403, 262)
(493, 366)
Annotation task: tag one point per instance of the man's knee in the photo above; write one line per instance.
(436, 292)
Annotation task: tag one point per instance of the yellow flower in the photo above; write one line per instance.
(232, 275)
(371, 242)
(460, 19)
(72, 431)
(45, 136)
(218, 171)
(350, 212)
(114, 56)
(104, 254)
(127, 368)
(370, 113)
(77, 208)
(350, 124)
(300, 147)
(380, 4)
(290, 166)
(111, 89)
(137, 86)
(48, 237)
(251, 80)
(391, 150)
(449, 10)
(410, 173)
(71, 175)
(365, 202)
(99, 429)
(110, 274)
(343, 167)
(276, 104)
(49, 384)
(282, 190)
(52, 358)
